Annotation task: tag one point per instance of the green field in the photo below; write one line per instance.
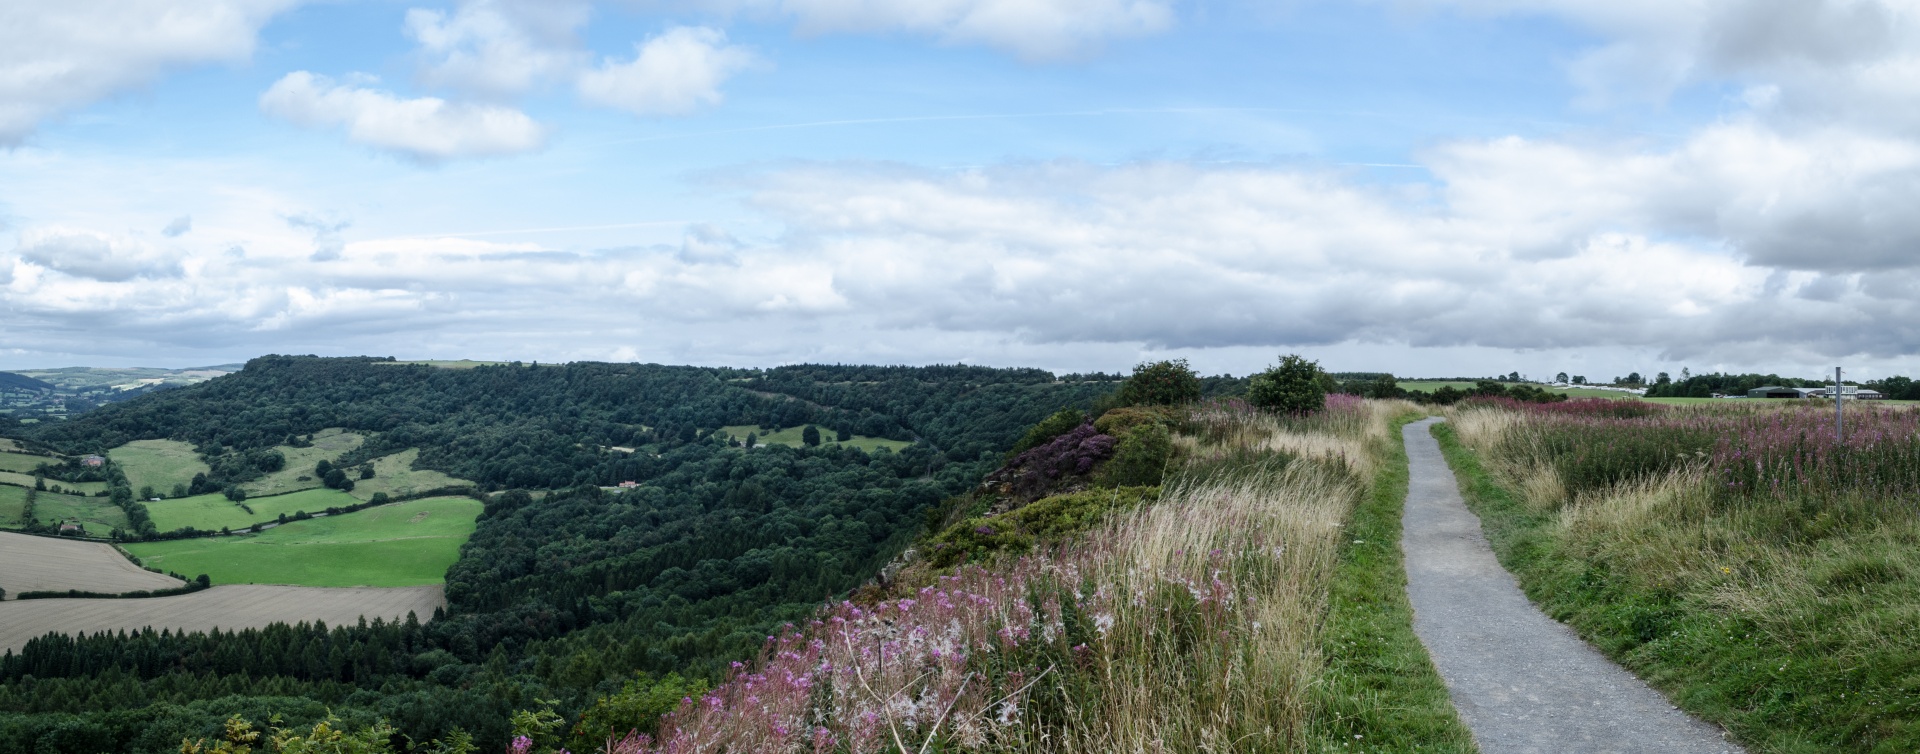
(405, 544)
(213, 511)
(396, 476)
(790, 437)
(99, 514)
(26, 480)
(13, 502)
(328, 445)
(159, 464)
(24, 463)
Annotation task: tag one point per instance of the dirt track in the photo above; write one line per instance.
(224, 607)
(31, 564)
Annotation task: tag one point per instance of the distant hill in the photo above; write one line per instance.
(11, 381)
(124, 378)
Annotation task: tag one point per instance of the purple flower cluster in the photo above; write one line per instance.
(1039, 470)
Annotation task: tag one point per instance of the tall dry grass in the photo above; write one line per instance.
(1192, 625)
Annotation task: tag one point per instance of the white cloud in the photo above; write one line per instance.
(675, 73)
(92, 255)
(498, 48)
(59, 56)
(1032, 29)
(427, 128)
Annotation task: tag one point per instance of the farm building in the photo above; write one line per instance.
(1850, 392)
(1778, 392)
(93, 460)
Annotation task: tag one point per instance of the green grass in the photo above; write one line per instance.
(791, 437)
(13, 502)
(159, 464)
(1808, 643)
(26, 480)
(24, 463)
(214, 511)
(1380, 691)
(99, 514)
(396, 476)
(328, 445)
(406, 544)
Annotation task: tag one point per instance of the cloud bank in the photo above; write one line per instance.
(428, 129)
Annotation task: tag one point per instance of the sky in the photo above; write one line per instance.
(1426, 187)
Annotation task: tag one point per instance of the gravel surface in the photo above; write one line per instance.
(1522, 682)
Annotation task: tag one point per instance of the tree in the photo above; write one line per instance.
(1292, 386)
(842, 434)
(753, 438)
(236, 494)
(1579, 380)
(1662, 379)
(366, 472)
(1634, 378)
(810, 436)
(1561, 377)
(1161, 383)
(1384, 387)
(146, 492)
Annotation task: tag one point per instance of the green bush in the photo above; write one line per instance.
(637, 707)
(1044, 520)
(1141, 458)
(1292, 386)
(1062, 422)
(1161, 383)
(1120, 421)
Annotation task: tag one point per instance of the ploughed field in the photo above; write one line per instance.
(224, 607)
(404, 544)
(37, 564)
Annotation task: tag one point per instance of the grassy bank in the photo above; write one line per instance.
(1380, 691)
(1790, 617)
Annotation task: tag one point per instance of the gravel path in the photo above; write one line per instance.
(1522, 682)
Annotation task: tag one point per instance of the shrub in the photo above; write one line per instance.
(1062, 422)
(1292, 386)
(1161, 383)
(1118, 422)
(1031, 474)
(1044, 520)
(1140, 459)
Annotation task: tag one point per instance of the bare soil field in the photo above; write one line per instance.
(225, 607)
(35, 564)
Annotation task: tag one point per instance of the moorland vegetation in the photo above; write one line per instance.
(1742, 558)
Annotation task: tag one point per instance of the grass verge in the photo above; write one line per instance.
(1791, 645)
(1380, 691)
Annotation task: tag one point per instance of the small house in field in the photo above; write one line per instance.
(93, 460)
(71, 528)
(627, 485)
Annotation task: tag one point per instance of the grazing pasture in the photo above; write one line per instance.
(13, 504)
(160, 464)
(227, 608)
(213, 511)
(24, 463)
(26, 480)
(791, 437)
(33, 564)
(328, 445)
(405, 544)
(396, 476)
(99, 514)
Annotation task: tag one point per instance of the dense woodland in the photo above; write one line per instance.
(560, 595)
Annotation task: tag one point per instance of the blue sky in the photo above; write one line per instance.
(1430, 187)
